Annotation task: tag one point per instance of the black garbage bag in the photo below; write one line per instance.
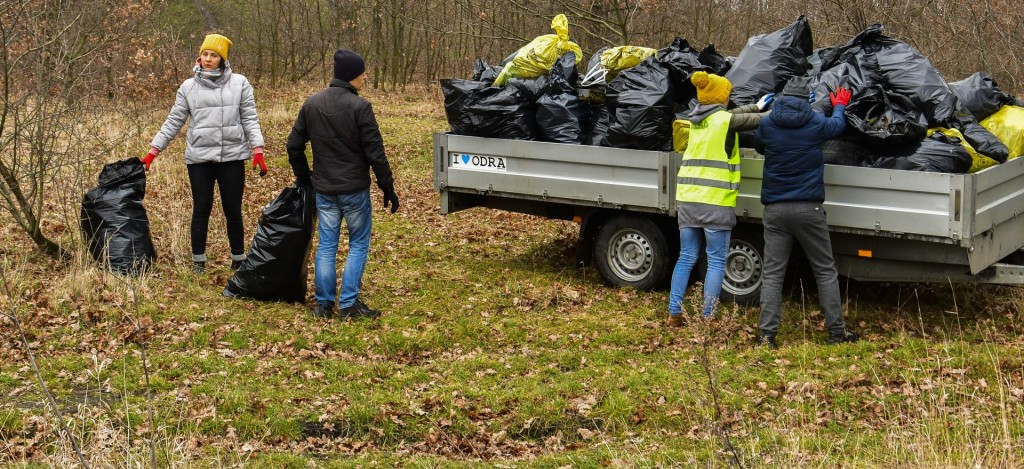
(595, 124)
(484, 72)
(981, 139)
(475, 108)
(714, 61)
(640, 101)
(682, 61)
(980, 95)
(560, 111)
(277, 262)
(846, 152)
(886, 119)
(939, 153)
(895, 66)
(114, 221)
(768, 61)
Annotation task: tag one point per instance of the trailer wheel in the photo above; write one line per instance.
(744, 267)
(632, 251)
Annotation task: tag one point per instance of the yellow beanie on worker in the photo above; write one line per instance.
(216, 43)
(711, 88)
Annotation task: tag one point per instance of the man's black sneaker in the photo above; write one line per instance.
(767, 341)
(844, 337)
(358, 311)
(324, 310)
(198, 267)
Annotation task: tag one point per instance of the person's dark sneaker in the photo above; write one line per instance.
(842, 338)
(198, 267)
(767, 341)
(324, 310)
(358, 311)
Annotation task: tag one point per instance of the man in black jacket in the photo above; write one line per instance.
(346, 144)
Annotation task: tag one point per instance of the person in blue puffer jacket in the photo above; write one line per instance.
(792, 192)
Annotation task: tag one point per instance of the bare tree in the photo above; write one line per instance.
(53, 83)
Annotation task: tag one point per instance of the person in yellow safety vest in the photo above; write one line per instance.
(707, 185)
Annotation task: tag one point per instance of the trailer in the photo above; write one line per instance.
(886, 225)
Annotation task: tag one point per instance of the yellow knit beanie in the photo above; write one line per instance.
(216, 43)
(711, 88)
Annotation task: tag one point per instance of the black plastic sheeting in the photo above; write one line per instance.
(276, 265)
(641, 106)
(980, 95)
(478, 109)
(114, 221)
(560, 112)
(768, 61)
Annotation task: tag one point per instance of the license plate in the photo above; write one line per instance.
(479, 162)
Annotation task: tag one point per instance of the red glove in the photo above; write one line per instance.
(257, 161)
(841, 96)
(148, 159)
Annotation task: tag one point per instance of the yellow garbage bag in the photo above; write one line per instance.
(680, 135)
(1007, 124)
(614, 60)
(620, 58)
(980, 161)
(537, 57)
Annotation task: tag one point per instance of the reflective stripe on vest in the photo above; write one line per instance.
(707, 174)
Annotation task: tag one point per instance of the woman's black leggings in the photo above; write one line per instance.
(230, 178)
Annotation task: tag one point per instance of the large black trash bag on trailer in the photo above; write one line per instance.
(718, 64)
(478, 109)
(939, 153)
(641, 107)
(482, 71)
(114, 221)
(981, 139)
(768, 61)
(896, 67)
(560, 112)
(681, 60)
(277, 262)
(980, 95)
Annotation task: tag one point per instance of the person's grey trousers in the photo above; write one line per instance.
(803, 222)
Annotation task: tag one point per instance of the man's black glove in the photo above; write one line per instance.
(390, 197)
(303, 182)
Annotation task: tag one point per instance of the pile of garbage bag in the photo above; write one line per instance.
(903, 114)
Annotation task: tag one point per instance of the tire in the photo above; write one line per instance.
(631, 251)
(744, 267)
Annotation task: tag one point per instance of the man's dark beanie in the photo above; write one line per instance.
(799, 87)
(348, 65)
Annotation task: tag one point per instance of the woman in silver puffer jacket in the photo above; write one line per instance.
(223, 132)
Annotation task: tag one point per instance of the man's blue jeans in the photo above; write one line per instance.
(689, 249)
(355, 210)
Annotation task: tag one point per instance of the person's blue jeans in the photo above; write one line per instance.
(355, 210)
(689, 249)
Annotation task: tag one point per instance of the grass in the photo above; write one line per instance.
(494, 351)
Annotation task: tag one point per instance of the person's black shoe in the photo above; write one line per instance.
(198, 267)
(842, 338)
(236, 264)
(324, 310)
(358, 311)
(767, 341)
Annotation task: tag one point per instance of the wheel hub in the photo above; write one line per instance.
(630, 255)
